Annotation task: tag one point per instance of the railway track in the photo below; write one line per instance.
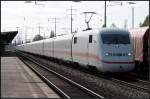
(131, 82)
(65, 87)
(140, 76)
(138, 84)
(146, 82)
(135, 85)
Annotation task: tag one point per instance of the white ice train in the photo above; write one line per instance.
(109, 50)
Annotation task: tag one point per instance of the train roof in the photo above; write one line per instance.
(110, 30)
(60, 37)
(103, 30)
(83, 33)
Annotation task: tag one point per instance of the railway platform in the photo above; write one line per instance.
(18, 81)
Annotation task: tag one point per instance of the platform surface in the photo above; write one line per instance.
(18, 81)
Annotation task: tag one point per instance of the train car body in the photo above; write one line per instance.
(62, 47)
(109, 50)
(140, 38)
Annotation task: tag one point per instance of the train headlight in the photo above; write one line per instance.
(129, 54)
(106, 54)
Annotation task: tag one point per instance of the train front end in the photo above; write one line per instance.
(117, 54)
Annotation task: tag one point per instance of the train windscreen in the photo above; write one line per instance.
(115, 38)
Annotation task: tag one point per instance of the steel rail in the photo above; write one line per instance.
(59, 91)
(131, 85)
(96, 95)
(147, 82)
(140, 75)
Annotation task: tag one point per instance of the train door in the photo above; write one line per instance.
(91, 49)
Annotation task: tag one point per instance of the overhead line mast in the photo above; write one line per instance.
(71, 16)
(55, 21)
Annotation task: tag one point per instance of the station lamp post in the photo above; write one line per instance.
(105, 11)
(105, 14)
(120, 3)
(132, 17)
(131, 3)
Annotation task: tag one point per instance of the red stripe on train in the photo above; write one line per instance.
(108, 62)
(93, 56)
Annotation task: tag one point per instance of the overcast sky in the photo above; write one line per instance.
(28, 16)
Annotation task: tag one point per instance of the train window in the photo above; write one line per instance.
(75, 40)
(90, 38)
(115, 38)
